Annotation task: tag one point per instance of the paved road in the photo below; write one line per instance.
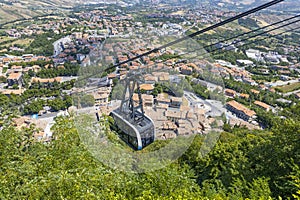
(213, 108)
(217, 108)
(290, 93)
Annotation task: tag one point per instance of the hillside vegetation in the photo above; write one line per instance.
(243, 164)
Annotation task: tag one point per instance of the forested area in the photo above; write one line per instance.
(43, 43)
(243, 164)
(32, 99)
(248, 22)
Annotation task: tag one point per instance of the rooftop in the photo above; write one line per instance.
(147, 87)
(262, 104)
(14, 76)
(47, 80)
(241, 108)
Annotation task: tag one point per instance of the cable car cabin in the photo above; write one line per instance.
(138, 130)
(138, 133)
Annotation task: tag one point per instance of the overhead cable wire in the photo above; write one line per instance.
(254, 10)
(245, 39)
(222, 23)
(252, 31)
(251, 42)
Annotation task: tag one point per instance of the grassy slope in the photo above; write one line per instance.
(31, 8)
(289, 88)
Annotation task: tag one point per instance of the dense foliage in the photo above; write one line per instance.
(248, 22)
(243, 164)
(43, 44)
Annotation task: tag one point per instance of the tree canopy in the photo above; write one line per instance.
(243, 164)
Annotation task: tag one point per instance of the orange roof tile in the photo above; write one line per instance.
(147, 87)
(14, 76)
(254, 91)
(246, 96)
(47, 80)
(262, 104)
(241, 108)
(229, 91)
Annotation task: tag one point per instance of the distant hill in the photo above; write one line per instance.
(287, 6)
(11, 10)
(19, 9)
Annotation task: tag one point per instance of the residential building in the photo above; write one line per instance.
(240, 110)
(101, 99)
(186, 70)
(175, 102)
(46, 80)
(262, 105)
(230, 93)
(162, 99)
(254, 91)
(148, 88)
(244, 96)
(175, 115)
(15, 79)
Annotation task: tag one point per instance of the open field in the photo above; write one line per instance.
(178, 13)
(5, 38)
(289, 88)
(23, 42)
(32, 8)
(17, 11)
(12, 41)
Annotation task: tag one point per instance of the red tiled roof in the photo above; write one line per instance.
(242, 108)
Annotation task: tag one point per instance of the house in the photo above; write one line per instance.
(284, 72)
(149, 79)
(201, 82)
(244, 96)
(36, 68)
(162, 76)
(186, 70)
(240, 110)
(8, 92)
(16, 68)
(46, 80)
(284, 78)
(147, 100)
(219, 45)
(174, 115)
(162, 99)
(15, 79)
(231, 48)
(101, 99)
(6, 60)
(168, 125)
(175, 102)
(249, 81)
(230, 93)
(254, 91)
(263, 105)
(277, 67)
(100, 82)
(148, 88)
(297, 95)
